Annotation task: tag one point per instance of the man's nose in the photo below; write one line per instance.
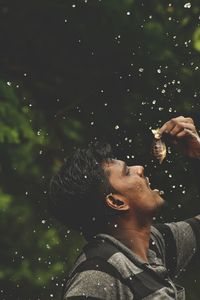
(139, 170)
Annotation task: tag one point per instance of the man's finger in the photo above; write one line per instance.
(176, 129)
(174, 125)
(181, 127)
(186, 132)
(167, 127)
(182, 134)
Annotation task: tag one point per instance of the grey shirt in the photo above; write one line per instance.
(107, 269)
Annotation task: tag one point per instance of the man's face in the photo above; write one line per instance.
(131, 184)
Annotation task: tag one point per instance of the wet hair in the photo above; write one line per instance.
(78, 190)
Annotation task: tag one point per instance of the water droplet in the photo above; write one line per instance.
(187, 5)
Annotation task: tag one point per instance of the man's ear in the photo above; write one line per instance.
(117, 202)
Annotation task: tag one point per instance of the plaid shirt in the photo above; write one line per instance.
(107, 269)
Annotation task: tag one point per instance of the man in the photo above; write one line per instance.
(113, 205)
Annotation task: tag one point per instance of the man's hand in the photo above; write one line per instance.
(183, 133)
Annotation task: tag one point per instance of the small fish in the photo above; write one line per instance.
(159, 149)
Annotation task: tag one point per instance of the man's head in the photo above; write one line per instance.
(132, 190)
(79, 189)
(92, 188)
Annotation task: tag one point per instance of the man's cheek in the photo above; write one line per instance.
(139, 187)
(136, 188)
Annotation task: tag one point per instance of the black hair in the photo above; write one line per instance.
(78, 190)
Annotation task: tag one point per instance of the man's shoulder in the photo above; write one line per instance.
(104, 255)
(100, 267)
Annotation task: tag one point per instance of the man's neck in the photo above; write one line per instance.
(133, 236)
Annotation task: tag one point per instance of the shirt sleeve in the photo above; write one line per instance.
(180, 243)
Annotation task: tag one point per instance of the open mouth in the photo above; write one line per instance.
(155, 190)
(147, 181)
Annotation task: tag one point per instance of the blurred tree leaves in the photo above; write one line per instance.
(26, 242)
(196, 39)
(5, 202)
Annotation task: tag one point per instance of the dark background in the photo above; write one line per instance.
(76, 71)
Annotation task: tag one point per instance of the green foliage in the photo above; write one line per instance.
(5, 201)
(196, 39)
(15, 125)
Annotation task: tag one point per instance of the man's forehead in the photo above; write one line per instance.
(112, 165)
(114, 162)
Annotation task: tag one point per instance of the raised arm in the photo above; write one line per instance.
(182, 239)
